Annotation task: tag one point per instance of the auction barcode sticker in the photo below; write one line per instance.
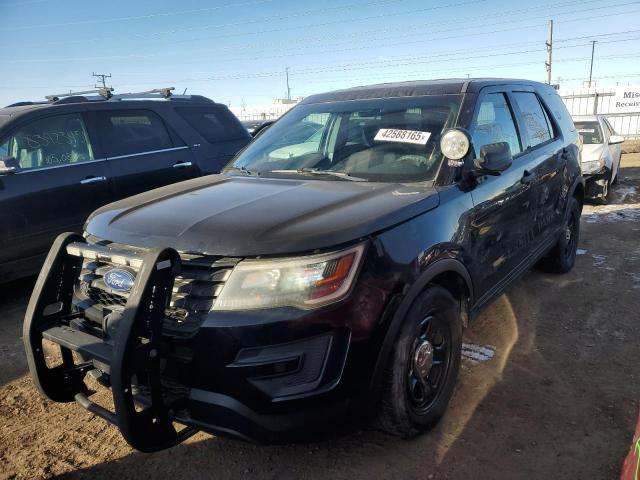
(402, 136)
(586, 130)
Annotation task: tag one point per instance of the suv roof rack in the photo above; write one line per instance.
(154, 93)
(106, 94)
(103, 92)
(159, 94)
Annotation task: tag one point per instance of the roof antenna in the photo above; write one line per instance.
(185, 91)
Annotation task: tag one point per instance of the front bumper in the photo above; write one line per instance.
(269, 376)
(596, 184)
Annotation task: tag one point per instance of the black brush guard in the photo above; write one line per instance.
(137, 350)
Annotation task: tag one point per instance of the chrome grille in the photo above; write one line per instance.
(200, 281)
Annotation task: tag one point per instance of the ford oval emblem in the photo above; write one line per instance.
(119, 280)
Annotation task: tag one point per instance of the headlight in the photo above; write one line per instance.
(304, 282)
(592, 166)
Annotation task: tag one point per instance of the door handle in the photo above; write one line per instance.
(183, 165)
(90, 180)
(527, 177)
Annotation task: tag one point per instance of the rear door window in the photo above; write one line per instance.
(214, 124)
(494, 124)
(534, 120)
(131, 132)
(49, 142)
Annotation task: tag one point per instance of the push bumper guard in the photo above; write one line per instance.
(137, 351)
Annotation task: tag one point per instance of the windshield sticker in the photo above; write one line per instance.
(586, 130)
(402, 136)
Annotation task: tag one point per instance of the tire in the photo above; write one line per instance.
(562, 256)
(408, 406)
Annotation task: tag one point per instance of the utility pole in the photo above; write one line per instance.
(102, 78)
(549, 52)
(593, 47)
(286, 72)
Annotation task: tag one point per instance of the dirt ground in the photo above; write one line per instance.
(549, 389)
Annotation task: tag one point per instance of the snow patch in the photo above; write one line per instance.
(626, 212)
(478, 353)
(599, 260)
(635, 277)
(623, 192)
(581, 251)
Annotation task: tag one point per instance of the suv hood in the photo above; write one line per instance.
(246, 216)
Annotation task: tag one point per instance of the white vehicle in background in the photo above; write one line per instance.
(601, 152)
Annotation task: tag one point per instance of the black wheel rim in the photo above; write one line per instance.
(571, 236)
(429, 362)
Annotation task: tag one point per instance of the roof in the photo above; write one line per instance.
(9, 113)
(413, 88)
(125, 100)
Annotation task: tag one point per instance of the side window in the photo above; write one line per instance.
(552, 130)
(48, 142)
(214, 124)
(4, 148)
(494, 123)
(533, 118)
(128, 132)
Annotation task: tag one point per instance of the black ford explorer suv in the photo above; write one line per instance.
(316, 280)
(62, 159)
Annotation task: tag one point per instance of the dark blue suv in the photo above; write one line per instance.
(316, 279)
(62, 159)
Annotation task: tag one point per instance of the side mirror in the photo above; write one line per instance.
(494, 159)
(8, 165)
(614, 139)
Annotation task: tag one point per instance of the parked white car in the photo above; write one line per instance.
(601, 152)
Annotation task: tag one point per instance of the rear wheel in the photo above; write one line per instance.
(562, 256)
(424, 365)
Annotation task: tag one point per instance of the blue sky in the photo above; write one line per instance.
(237, 52)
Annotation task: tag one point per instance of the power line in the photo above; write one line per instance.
(377, 32)
(405, 28)
(466, 34)
(138, 17)
(315, 72)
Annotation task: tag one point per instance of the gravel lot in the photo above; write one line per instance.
(548, 389)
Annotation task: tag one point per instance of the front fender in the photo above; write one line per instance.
(434, 269)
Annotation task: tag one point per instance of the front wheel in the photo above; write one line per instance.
(562, 256)
(423, 368)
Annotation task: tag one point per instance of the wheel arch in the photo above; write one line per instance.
(448, 273)
(578, 192)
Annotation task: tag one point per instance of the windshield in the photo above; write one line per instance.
(385, 140)
(590, 132)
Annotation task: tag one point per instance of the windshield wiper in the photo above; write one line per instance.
(242, 170)
(313, 171)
